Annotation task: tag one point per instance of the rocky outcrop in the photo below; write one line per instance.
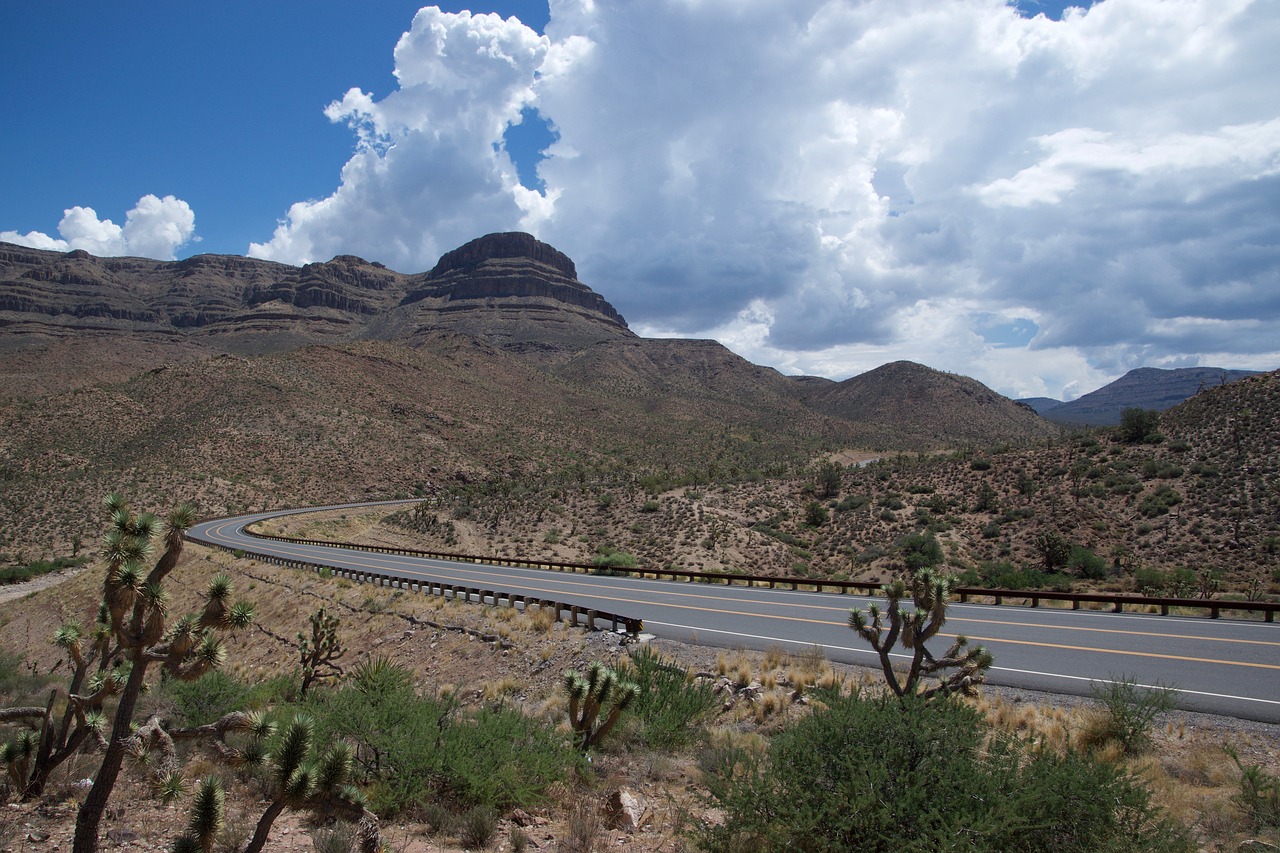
(509, 288)
(510, 266)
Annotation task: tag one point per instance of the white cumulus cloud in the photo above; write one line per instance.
(154, 228)
(429, 172)
(828, 184)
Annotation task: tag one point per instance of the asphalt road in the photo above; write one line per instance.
(1219, 666)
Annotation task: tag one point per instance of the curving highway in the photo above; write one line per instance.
(1220, 666)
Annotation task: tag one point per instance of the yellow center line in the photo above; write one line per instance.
(1119, 652)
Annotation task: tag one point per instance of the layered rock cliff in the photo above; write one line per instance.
(510, 288)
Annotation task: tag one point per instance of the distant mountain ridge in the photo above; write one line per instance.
(1142, 388)
(245, 305)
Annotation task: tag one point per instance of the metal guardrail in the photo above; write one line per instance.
(576, 615)
(1117, 601)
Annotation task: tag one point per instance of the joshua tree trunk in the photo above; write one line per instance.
(90, 816)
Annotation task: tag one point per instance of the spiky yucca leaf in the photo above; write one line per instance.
(294, 745)
(68, 635)
(299, 787)
(20, 748)
(208, 812)
(114, 503)
(241, 615)
(156, 596)
(258, 725)
(220, 587)
(186, 844)
(95, 721)
(334, 766)
(145, 525)
(171, 787)
(253, 754)
(211, 654)
(184, 635)
(129, 577)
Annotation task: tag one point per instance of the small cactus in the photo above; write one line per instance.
(589, 695)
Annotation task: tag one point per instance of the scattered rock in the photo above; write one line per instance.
(625, 810)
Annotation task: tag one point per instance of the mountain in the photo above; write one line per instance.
(1040, 405)
(922, 405)
(1143, 388)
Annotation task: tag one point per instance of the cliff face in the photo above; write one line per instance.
(509, 287)
(511, 271)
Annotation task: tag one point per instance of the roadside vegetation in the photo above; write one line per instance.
(592, 743)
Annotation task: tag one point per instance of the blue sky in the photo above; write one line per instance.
(822, 185)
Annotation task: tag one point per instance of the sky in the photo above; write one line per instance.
(1041, 195)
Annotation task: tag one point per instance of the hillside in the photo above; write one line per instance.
(1197, 512)
(246, 384)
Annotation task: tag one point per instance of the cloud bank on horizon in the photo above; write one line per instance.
(826, 185)
(153, 228)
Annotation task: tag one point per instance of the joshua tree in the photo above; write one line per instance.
(589, 695)
(912, 629)
(131, 633)
(301, 780)
(318, 653)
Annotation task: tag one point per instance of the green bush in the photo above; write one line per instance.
(887, 775)
(412, 749)
(1259, 796)
(1087, 564)
(607, 558)
(815, 514)
(669, 708)
(216, 694)
(20, 574)
(1003, 575)
(920, 550)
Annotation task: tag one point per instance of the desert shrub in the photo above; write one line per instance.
(1004, 575)
(412, 748)
(1128, 713)
(500, 758)
(1259, 795)
(216, 694)
(608, 558)
(920, 550)
(669, 708)
(852, 502)
(815, 514)
(18, 679)
(1159, 502)
(1086, 564)
(937, 779)
(22, 573)
(1139, 426)
(477, 827)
